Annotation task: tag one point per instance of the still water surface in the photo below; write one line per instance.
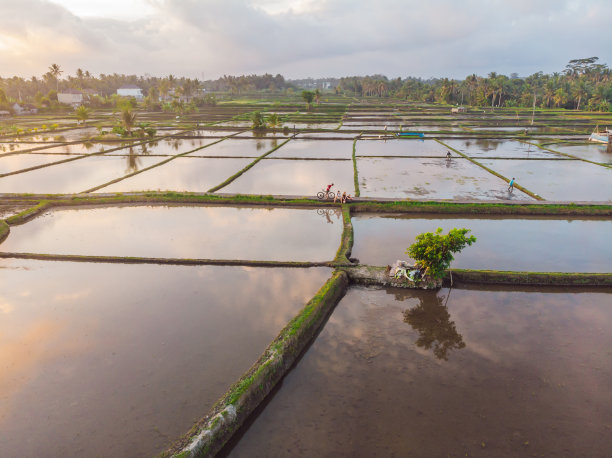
(482, 373)
(120, 360)
(278, 234)
(525, 244)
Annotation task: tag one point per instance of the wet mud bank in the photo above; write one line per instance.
(375, 275)
(209, 435)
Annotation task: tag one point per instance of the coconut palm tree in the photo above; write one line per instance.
(128, 119)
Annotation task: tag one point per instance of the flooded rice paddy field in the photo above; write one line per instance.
(315, 149)
(294, 177)
(399, 147)
(518, 244)
(16, 162)
(203, 232)
(470, 372)
(188, 174)
(591, 151)
(120, 360)
(336, 135)
(418, 178)
(456, 178)
(165, 147)
(243, 147)
(75, 176)
(500, 148)
(558, 180)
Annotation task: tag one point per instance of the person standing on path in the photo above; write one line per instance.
(511, 187)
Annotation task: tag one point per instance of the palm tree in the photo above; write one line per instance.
(164, 87)
(82, 113)
(128, 118)
(80, 75)
(56, 71)
(580, 90)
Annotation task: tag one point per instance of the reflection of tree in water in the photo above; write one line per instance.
(144, 150)
(432, 321)
(133, 161)
(487, 144)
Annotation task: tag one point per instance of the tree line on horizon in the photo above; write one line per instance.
(583, 84)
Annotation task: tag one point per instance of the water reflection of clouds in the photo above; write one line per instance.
(293, 177)
(530, 370)
(191, 232)
(117, 362)
(502, 244)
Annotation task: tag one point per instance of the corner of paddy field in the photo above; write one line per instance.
(210, 434)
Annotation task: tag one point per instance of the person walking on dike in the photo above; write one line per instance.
(511, 187)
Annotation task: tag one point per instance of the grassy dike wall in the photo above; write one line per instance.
(4, 230)
(346, 244)
(210, 434)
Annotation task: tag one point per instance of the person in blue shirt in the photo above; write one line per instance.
(511, 187)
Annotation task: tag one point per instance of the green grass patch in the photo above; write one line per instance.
(346, 243)
(28, 213)
(408, 206)
(355, 172)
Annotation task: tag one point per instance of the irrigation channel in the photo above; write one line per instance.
(185, 295)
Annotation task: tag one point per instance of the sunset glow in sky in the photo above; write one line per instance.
(301, 38)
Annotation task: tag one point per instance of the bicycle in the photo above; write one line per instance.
(325, 195)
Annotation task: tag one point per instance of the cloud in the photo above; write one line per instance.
(302, 38)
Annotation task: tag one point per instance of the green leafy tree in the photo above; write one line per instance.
(82, 114)
(308, 97)
(274, 120)
(433, 251)
(258, 121)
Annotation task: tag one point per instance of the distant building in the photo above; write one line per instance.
(130, 90)
(72, 97)
(88, 93)
(24, 109)
(458, 110)
(5, 114)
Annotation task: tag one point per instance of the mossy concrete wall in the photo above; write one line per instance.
(497, 277)
(377, 275)
(210, 434)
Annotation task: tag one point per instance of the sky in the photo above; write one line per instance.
(207, 39)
